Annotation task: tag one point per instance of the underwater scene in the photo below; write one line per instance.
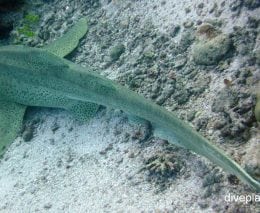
(149, 106)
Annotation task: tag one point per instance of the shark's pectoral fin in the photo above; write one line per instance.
(83, 111)
(69, 41)
(11, 117)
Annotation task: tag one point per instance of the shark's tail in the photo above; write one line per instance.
(195, 142)
(169, 127)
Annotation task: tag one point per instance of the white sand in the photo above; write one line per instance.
(70, 175)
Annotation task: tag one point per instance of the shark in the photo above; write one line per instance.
(43, 77)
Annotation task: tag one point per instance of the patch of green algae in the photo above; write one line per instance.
(30, 22)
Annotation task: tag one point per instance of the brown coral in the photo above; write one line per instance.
(163, 164)
(207, 30)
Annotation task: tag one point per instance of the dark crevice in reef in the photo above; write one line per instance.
(8, 9)
(4, 30)
(10, 5)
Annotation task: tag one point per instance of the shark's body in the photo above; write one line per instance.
(38, 77)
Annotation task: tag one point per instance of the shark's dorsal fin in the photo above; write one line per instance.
(11, 117)
(70, 40)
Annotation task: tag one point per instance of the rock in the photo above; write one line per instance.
(187, 10)
(188, 24)
(175, 30)
(148, 55)
(201, 5)
(117, 51)
(253, 22)
(213, 8)
(181, 96)
(191, 115)
(219, 123)
(207, 30)
(180, 61)
(212, 178)
(257, 108)
(251, 160)
(108, 148)
(211, 190)
(47, 206)
(235, 5)
(55, 127)
(224, 100)
(29, 128)
(27, 134)
(244, 40)
(201, 123)
(187, 39)
(211, 51)
(131, 155)
(167, 92)
(252, 4)
(203, 204)
(257, 56)
(233, 180)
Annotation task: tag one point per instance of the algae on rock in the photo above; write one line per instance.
(211, 51)
(257, 108)
(117, 51)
